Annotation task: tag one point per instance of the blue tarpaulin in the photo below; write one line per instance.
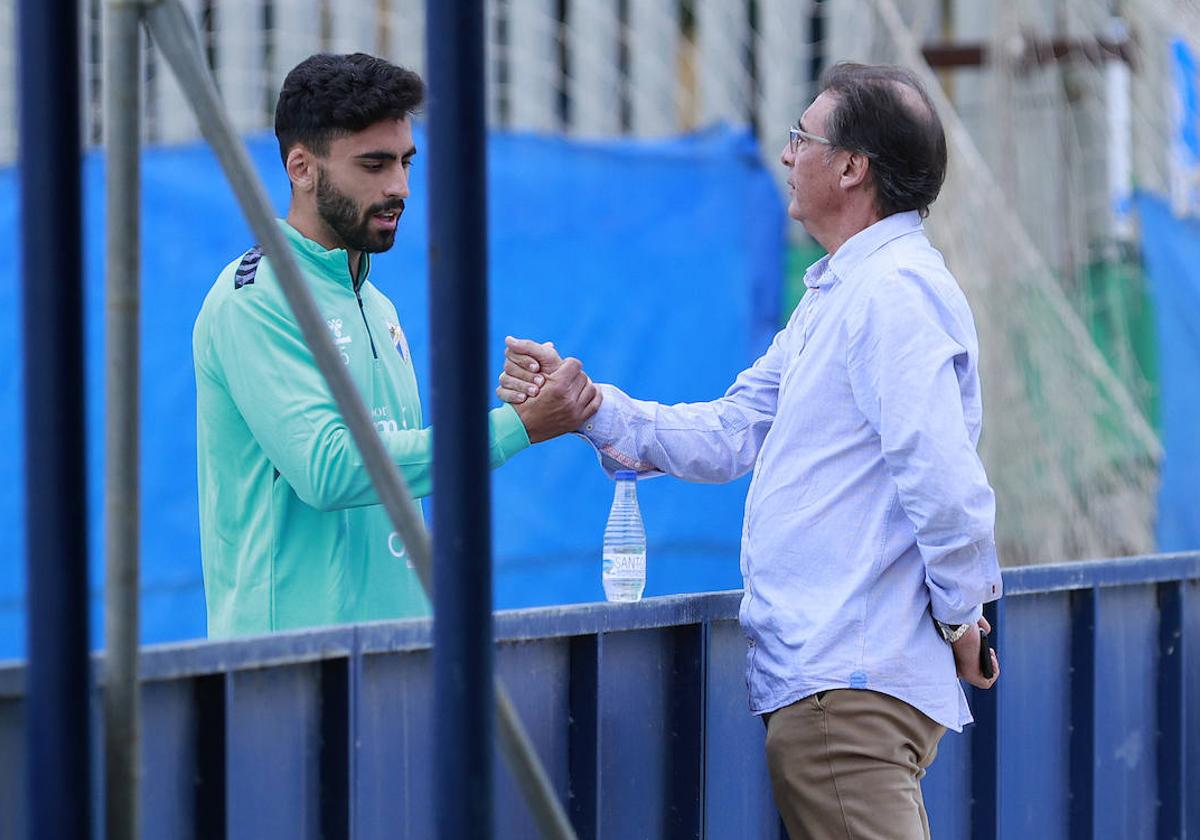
(1171, 250)
(659, 264)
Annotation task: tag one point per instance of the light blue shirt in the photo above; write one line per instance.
(869, 507)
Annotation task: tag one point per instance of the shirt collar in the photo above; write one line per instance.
(328, 264)
(828, 270)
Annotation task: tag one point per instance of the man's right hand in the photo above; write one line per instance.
(564, 401)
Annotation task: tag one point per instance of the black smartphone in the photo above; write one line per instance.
(985, 655)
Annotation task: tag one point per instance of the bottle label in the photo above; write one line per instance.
(624, 564)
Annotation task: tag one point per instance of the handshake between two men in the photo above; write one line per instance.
(551, 395)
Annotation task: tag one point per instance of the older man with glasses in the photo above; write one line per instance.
(868, 547)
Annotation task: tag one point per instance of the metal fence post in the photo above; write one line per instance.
(122, 331)
(56, 501)
(462, 623)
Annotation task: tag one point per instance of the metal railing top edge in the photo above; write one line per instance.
(1117, 571)
(200, 657)
(175, 660)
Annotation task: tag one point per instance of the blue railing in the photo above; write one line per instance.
(639, 713)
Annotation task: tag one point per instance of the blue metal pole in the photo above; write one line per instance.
(462, 551)
(56, 515)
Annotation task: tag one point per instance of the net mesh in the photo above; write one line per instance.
(1067, 445)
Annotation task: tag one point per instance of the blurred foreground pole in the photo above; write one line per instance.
(56, 705)
(122, 734)
(462, 547)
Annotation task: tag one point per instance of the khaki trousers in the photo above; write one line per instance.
(848, 763)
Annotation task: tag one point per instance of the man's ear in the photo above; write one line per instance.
(301, 168)
(854, 170)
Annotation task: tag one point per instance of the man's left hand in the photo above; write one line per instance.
(525, 362)
(966, 658)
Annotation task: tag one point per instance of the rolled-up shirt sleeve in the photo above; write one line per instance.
(710, 442)
(909, 376)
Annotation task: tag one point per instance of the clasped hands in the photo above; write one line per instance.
(551, 395)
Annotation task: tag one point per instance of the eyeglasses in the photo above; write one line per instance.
(796, 134)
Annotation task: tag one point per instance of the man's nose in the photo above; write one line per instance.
(785, 156)
(398, 185)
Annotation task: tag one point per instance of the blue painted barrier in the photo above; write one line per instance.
(639, 713)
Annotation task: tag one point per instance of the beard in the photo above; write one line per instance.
(351, 225)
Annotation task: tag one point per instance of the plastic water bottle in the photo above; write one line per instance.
(625, 543)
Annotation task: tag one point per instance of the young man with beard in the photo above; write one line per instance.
(292, 532)
(868, 546)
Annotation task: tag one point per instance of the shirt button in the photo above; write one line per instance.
(588, 427)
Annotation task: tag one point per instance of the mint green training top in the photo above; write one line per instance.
(291, 531)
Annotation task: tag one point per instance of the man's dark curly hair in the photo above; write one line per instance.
(885, 113)
(329, 96)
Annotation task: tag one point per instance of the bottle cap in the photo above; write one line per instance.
(626, 475)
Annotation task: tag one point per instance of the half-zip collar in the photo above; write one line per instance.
(327, 264)
(324, 264)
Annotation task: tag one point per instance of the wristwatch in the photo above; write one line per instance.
(952, 632)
